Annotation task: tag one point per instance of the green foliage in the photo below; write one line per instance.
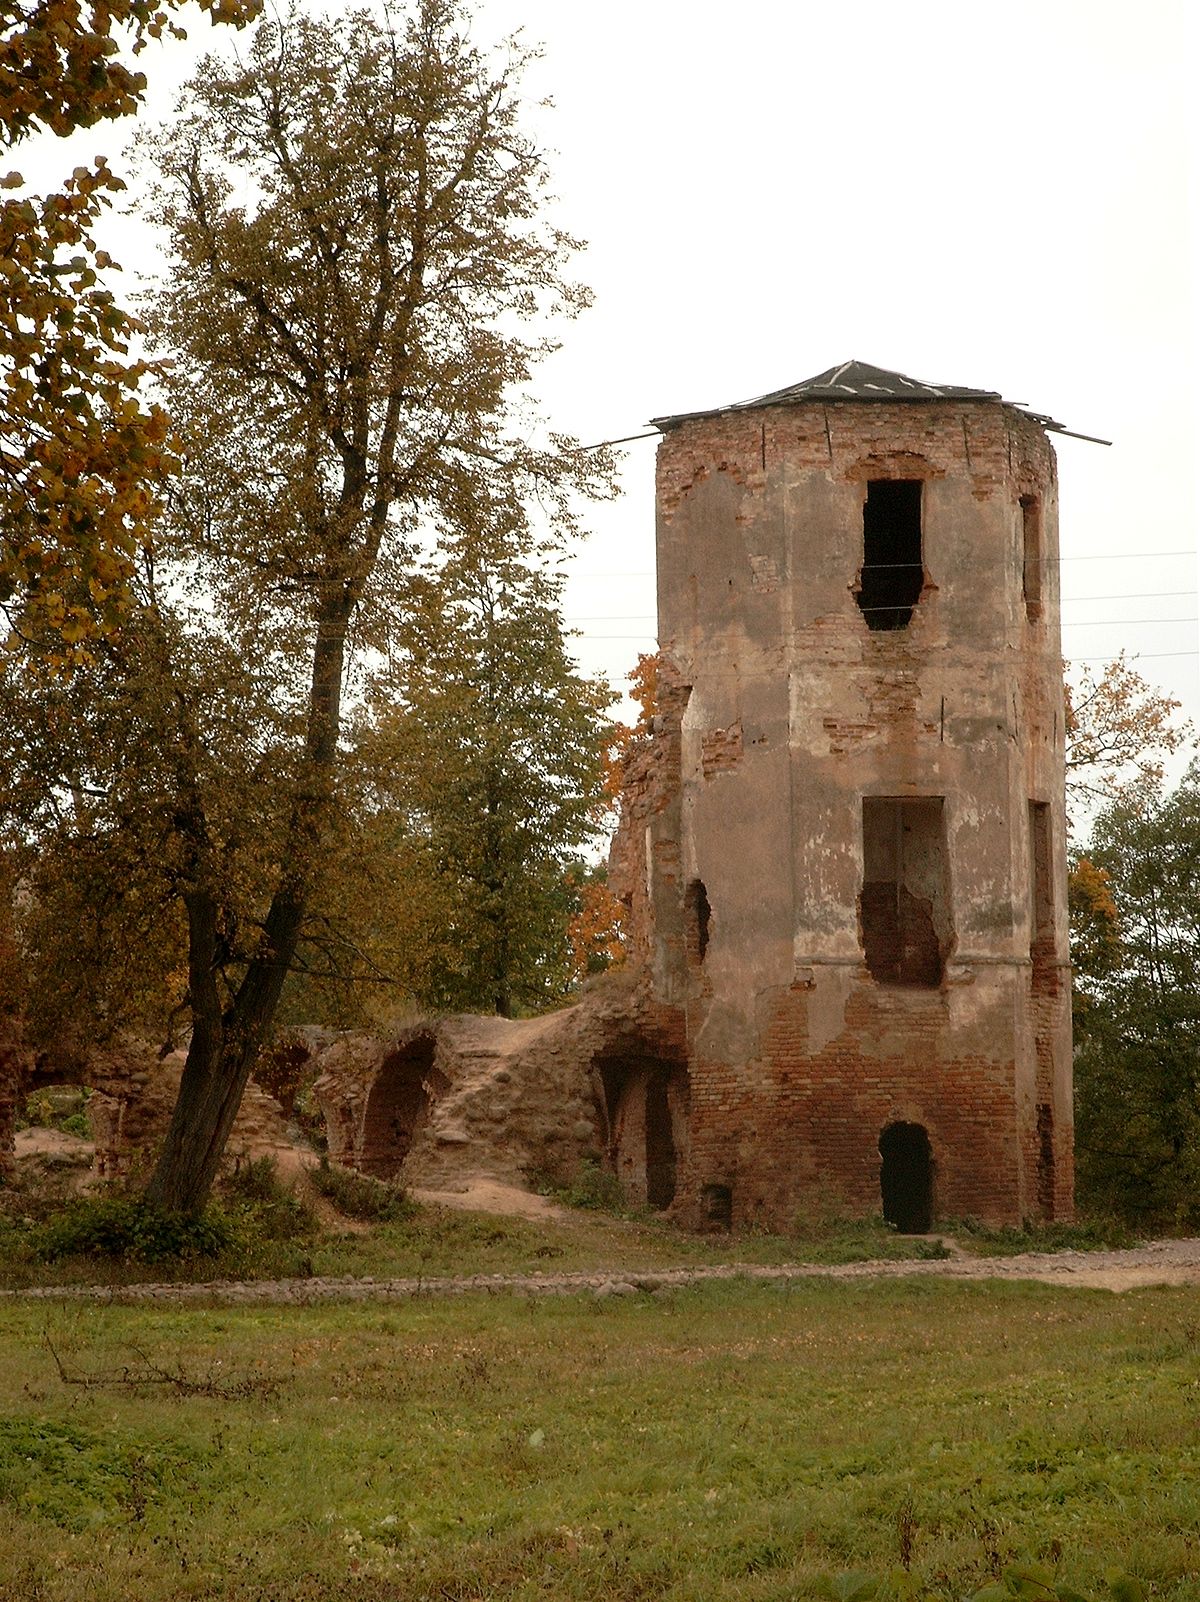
(1086, 1235)
(1137, 1069)
(57, 1107)
(360, 1195)
(350, 352)
(484, 751)
(127, 1227)
(261, 1206)
(592, 1187)
(258, 1211)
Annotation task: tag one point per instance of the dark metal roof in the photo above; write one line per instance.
(859, 381)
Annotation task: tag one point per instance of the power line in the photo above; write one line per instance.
(1118, 556)
(1133, 595)
(1067, 623)
(1124, 622)
(1140, 656)
(649, 634)
(1089, 556)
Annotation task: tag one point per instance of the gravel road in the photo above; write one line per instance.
(1161, 1262)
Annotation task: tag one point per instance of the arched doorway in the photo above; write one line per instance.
(906, 1177)
(396, 1108)
(646, 1103)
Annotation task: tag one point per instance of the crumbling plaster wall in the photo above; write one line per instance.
(510, 1098)
(799, 1059)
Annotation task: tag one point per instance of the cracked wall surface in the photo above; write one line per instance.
(790, 733)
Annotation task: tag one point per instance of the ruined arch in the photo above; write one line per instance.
(397, 1107)
(646, 1105)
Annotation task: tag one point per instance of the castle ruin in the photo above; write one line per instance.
(843, 850)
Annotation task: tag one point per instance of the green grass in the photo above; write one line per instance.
(1088, 1235)
(728, 1442)
(432, 1241)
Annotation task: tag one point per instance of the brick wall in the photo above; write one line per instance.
(782, 712)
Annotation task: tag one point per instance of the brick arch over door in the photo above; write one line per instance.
(646, 1101)
(397, 1108)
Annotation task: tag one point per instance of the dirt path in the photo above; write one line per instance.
(1167, 1262)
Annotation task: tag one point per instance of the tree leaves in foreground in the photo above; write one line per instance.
(357, 261)
(83, 456)
(1119, 729)
(1137, 1068)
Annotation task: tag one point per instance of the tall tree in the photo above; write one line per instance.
(489, 750)
(82, 455)
(358, 257)
(1119, 730)
(1138, 1030)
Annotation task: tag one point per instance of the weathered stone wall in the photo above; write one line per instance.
(447, 1098)
(787, 712)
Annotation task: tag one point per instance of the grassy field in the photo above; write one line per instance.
(275, 1235)
(722, 1443)
(436, 1241)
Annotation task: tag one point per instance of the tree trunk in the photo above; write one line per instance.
(13, 1069)
(226, 1040)
(220, 1060)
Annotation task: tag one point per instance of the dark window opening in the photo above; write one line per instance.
(893, 574)
(699, 919)
(904, 906)
(1031, 526)
(660, 1144)
(716, 1207)
(906, 1178)
(1045, 1167)
(1041, 884)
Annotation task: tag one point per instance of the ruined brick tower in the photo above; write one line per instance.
(844, 848)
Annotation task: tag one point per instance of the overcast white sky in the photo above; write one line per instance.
(1001, 195)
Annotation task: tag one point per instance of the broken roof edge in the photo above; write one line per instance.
(859, 383)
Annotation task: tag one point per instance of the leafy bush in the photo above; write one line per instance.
(264, 1206)
(372, 1201)
(62, 1107)
(1088, 1235)
(595, 1188)
(128, 1227)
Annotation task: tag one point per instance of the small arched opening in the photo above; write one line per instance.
(906, 1177)
(716, 1207)
(646, 1101)
(699, 921)
(396, 1108)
